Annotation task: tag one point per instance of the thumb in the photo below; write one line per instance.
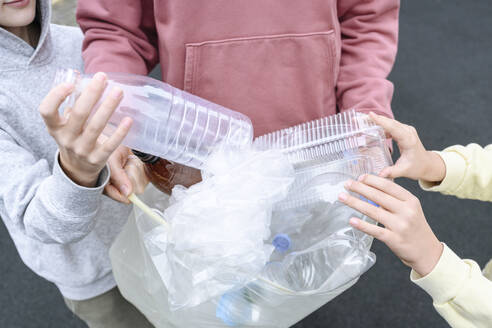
(135, 171)
(392, 172)
(392, 128)
(119, 177)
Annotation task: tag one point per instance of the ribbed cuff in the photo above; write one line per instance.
(71, 199)
(455, 173)
(446, 279)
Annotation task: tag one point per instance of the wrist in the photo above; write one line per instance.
(84, 179)
(429, 259)
(435, 169)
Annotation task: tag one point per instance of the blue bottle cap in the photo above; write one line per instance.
(281, 242)
(222, 311)
(234, 308)
(368, 201)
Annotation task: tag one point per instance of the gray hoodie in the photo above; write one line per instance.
(62, 231)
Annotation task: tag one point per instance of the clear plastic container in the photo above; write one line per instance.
(167, 122)
(336, 137)
(318, 250)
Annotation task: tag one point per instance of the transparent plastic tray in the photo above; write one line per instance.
(331, 138)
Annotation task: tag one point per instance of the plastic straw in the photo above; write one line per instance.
(147, 210)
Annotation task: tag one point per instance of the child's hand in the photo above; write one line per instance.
(135, 169)
(415, 162)
(127, 175)
(406, 231)
(83, 154)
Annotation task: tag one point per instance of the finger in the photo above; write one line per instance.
(119, 178)
(135, 170)
(113, 192)
(100, 118)
(377, 232)
(86, 102)
(393, 172)
(375, 195)
(376, 213)
(386, 186)
(114, 141)
(393, 128)
(50, 104)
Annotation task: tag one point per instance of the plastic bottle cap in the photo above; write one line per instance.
(222, 311)
(233, 309)
(282, 242)
(368, 201)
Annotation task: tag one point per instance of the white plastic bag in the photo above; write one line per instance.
(317, 254)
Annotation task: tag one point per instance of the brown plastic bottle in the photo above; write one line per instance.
(164, 175)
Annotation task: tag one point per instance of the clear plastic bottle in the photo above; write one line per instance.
(250, 305)
(167, 122)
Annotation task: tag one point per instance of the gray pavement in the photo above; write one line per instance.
(64, 12)
(443, 79)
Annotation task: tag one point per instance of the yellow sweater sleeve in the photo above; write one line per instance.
(461, 294)
(468, 172)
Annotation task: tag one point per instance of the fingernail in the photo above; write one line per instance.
(100, 77)
(362, 177)
(125, 190)
(68, 86)
(127, 121)
(354, 221)
(347, 184)
(343, 196)
(116, 93)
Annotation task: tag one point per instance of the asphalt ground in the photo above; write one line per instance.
(443, 81)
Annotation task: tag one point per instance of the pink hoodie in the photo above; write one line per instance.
(281, 62)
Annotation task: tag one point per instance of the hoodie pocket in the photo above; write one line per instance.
(277, 80)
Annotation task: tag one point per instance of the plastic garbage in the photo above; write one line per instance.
(218, 227)
(139, 281)
(165, 175)
(167, 122)
(314, 253)
(245, 306)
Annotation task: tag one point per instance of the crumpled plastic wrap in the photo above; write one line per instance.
(217, 229)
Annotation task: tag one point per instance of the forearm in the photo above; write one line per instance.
(461, 294)
(119, 36)
(369, 42)
(468, 172)
(48, 206)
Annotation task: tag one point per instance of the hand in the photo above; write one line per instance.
(127, 175)
(82, 153)
(415, 162)
(406, 231)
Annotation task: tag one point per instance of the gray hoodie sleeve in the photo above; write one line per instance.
(45, 203)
